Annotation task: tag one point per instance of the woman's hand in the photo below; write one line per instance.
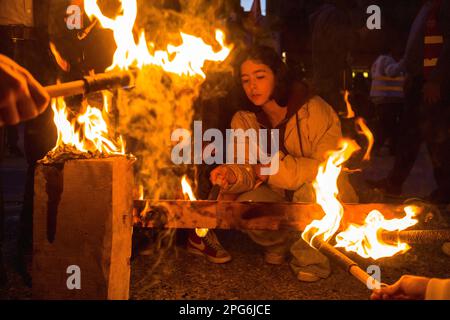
(222, 176)
(407, 288)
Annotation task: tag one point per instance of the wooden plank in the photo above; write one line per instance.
(82, 217)
(247, 215)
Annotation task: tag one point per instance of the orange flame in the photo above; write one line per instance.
(350, 113)
(366, 131)
(141, 192)
(62, 63)
(187, 190)
(365, 240)
(326, 189)
(186, 59)
(91, 125)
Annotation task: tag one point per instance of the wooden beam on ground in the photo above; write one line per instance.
(247, 215)
(82, 229)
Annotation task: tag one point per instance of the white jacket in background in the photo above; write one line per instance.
(387, 80)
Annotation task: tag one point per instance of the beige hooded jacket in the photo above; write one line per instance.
(320, 132)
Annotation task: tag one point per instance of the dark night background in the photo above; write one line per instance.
(182, 276)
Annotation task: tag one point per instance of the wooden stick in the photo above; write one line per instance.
(417, 236)
(246, 215)
(346, 263)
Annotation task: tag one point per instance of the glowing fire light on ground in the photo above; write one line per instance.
(187, 190)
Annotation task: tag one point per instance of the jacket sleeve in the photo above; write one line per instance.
(245, 175)
(393, 68)
(438, 289)
(322, 129)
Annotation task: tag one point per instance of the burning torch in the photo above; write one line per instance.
(89, 84)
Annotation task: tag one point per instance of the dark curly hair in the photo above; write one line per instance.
(268, 56)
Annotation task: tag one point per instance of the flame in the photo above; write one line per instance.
(66, 130)
(92, 133)
(62, 63)
(350, 113)
(141, 192)
(187, 190)
(366, 131)
(365, 240)
(107, 97)
(326, 190)
(186, 59)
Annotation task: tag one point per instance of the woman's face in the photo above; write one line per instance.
(258, 82)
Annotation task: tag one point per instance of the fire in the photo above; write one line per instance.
(366, 131)
(186, 59)
(92, 133)
(187, 190)
(350, 113)
(141, 192)
(62, 63)
(66, 131)
(365, 240)
(326, 190)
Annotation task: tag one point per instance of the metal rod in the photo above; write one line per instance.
(417, 236)
(345, 262)
(98, 82)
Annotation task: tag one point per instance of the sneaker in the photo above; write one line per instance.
(274, 258)
(209, 247)
(308, 276)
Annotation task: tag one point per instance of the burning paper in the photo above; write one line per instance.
(85, 136)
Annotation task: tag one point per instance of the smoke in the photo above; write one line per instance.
(162, 102)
